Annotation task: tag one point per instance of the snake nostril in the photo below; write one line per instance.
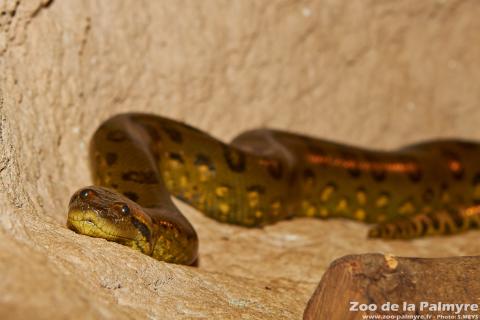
(87, 193)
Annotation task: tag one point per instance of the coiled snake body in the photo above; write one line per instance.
(263, 176)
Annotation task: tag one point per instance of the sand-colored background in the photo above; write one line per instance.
(370, 73)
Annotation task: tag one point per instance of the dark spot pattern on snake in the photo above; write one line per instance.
(274, 168)
(111, 158)
(142, 177)
(153, 132)
(235, 159)
(416, 174)
(173, 134)
(308, 174)
(176, 156)
(131, 195)
(116, 136)
(142, 228)
(202, 159)
(378, 171)
(351, 160)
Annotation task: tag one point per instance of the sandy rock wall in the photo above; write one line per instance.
(376, 73)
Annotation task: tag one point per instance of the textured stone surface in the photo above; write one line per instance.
(376, 73)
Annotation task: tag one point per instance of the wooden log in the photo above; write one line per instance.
(439, 288)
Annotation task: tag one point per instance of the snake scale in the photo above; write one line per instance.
(263, 176)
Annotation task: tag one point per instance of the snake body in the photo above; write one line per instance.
(261, 177)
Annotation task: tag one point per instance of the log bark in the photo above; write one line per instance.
(353, 286)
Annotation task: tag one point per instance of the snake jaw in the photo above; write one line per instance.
(84, 222)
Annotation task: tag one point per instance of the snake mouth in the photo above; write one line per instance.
(88, 223)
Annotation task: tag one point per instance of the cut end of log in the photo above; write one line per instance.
(373, 284)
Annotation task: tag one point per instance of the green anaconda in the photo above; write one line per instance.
(263, 176)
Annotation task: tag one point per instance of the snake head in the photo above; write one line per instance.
(103, 213)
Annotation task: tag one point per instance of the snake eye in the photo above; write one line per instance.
(125, 209)
(87, 193)
(122, 208)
